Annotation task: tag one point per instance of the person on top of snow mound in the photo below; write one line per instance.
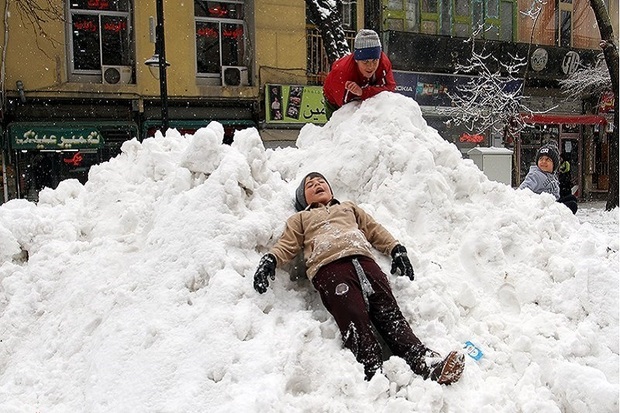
(336, 240)
(542, 177)
(359, 75)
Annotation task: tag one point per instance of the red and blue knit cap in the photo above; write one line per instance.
(367, 45)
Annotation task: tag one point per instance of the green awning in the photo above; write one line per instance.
(63, 135)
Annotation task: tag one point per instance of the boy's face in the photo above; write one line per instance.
(317, 190)
(545, 164)
(367, 67)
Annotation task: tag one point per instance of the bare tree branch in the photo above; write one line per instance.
(38, 13)
(587, 81)
(491, 99)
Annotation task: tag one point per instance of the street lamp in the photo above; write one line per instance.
(158, 61)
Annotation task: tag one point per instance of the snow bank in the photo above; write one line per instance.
(134, 291)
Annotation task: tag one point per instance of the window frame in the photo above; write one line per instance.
(220, 22)
(432, 17)
(92, 75)
(400, 15)
(564, 6)
(462, 19)
(428, 18)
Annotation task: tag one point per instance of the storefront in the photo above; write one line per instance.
(434, 93)
(45, 153)
(575, 136)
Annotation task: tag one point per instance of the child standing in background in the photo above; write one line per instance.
(542, 177)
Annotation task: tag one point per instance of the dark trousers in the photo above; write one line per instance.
(570, 201)
(341, 293)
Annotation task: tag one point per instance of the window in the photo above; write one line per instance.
(429, 14)
(100, 35)
(220, 35)
(349, 14)
(565, 23)
(506, 18)
(457, 18)
(462, 18)
(400, 15)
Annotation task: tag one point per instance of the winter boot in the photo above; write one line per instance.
(420, 359)
(448, 370)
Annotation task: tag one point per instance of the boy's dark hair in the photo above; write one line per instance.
(300, 195)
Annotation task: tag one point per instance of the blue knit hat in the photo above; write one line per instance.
(300, 193)
(367, 45)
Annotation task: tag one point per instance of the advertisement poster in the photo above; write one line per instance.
(428, 89)
(294, 104)
(432, 89)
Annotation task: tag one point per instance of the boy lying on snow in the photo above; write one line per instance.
(336, 239)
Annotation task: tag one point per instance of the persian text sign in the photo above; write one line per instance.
(50, 137)
(294, 104)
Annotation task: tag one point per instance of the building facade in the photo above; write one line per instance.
(75, 85)
(426, 41)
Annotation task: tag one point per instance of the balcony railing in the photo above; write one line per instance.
(318, 66)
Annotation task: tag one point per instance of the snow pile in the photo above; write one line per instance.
(134, 291)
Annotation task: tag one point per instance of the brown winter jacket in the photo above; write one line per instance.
(328, 233)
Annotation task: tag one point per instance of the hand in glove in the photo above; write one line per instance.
(266, 268)
(400, 262)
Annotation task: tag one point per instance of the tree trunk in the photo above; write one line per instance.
(610, 51)
(326, 15)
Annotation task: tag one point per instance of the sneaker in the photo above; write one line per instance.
(448, 370)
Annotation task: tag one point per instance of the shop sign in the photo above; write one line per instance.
(30, 136)
(607, 102)
(570, 63)
(476, 138)
(294, 104)
(539, 59)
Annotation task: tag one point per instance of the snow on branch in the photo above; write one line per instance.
(492, 97)
(587, 81)
(534, 10)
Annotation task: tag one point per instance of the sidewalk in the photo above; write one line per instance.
(592, 204)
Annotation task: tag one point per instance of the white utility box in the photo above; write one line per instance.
(496, 163)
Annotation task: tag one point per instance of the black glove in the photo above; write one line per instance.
(400, 262)
(266, 267)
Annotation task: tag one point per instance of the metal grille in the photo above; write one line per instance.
(317, 64)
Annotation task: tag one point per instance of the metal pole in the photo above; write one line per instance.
(5, 182)
(163, 83)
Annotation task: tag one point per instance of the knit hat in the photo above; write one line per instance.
(300, 194)
(551, 150)
(367, 45)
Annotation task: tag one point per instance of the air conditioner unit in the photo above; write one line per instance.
(234, 76)
(116, 75)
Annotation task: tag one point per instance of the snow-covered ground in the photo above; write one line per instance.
(133, 293)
